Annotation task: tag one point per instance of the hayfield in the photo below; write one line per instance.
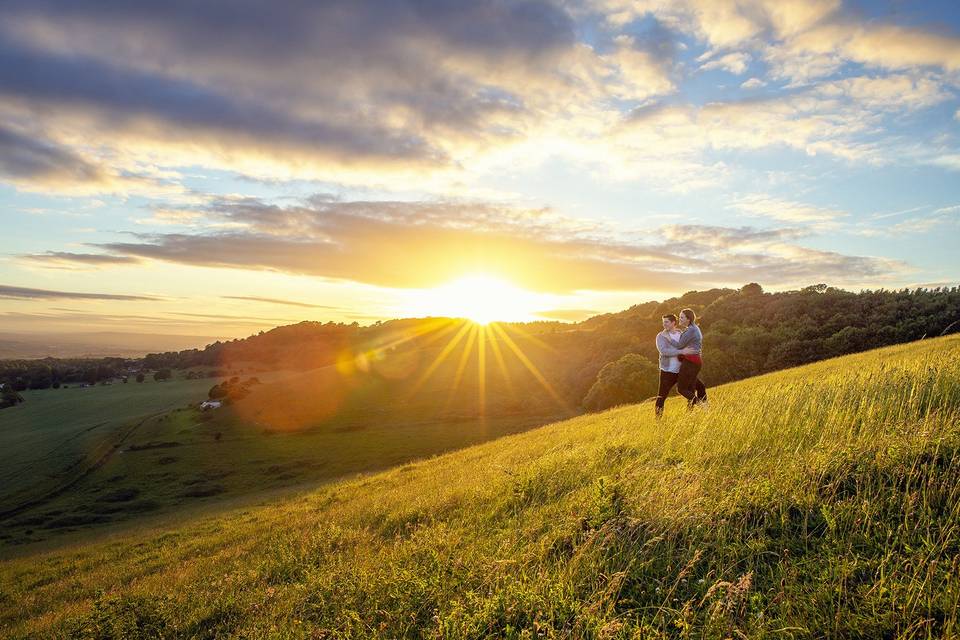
(820, 501)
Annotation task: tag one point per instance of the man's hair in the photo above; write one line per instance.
(690, 315)
(672, 318)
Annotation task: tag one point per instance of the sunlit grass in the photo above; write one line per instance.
(817, 502)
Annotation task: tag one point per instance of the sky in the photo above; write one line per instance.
(206, 168)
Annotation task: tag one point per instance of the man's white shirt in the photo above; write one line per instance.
(672, 364)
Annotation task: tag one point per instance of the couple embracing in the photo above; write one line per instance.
(680, 345)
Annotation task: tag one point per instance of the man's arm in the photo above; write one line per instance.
(664, 348)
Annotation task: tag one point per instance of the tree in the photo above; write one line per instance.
(630, 379)
(162, 374)
(140, 377)
(752, 289)
(9, 397)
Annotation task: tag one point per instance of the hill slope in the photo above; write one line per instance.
(818, 501)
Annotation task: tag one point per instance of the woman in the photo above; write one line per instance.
(688, 383)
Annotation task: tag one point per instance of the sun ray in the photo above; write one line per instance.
(482, 371)
(532, 368)
(462, 365)
(429, 326)
(450, 346)
(529, 336)
(501, 363)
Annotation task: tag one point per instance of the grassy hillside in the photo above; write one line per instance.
(815, 502)
(293, 429)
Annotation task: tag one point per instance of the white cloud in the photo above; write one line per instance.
(753, 83)
(765, 206)
(735, 63)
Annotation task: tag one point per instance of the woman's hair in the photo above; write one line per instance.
(691, 316)
(672, 318)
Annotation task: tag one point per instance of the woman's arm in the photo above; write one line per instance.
(664, 348)
(685, 338)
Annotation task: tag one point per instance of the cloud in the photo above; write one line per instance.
(69, 321)
(308, 89)
(749, 255)
(753, 83)
(735, 63)
(726, 23)
(65, 259)
(765, 206)
(32, 162)
(707, 238)
(637, 72)
(918, 220)
(842, 118)
(901, 93)
(290, 303)
(25, 293)
(143, 105)
(29, 158)
(388, 93)
(886, 46)
(425, 244)
(800, 39)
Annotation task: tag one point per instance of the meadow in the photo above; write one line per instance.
(54, 437)
(820, 501)
(88, 461)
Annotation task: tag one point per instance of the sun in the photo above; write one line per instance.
(477, 297)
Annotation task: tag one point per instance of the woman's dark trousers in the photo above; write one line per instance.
(687, 383)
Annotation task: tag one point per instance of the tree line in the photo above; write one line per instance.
(605, 360)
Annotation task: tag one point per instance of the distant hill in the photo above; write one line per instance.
(747, 332)
(22, 346)
(818, 501)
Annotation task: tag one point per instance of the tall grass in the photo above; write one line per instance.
(815, 502)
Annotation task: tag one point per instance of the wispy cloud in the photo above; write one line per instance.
(290, 303)
(66, 259)
(401, 244)
(27, 293)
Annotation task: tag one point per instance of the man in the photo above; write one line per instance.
(669, 362)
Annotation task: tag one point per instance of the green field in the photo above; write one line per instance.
(88, 461)
(56, 434)
(108, 457)
(822, 501)
(176, 462)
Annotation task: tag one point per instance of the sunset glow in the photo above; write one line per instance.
(480, 298)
